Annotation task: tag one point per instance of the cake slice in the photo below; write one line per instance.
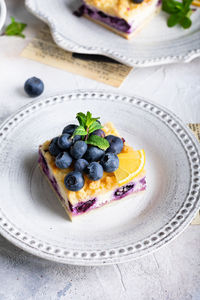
(98, 189)
(124, 17)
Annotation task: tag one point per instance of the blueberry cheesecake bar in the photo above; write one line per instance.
(124, 17)
(90, 165)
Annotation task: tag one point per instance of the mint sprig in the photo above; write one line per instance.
(81, 117)
(80, 130)
(180, 12)
(90, 120)
(87, 125)
(94, 126)
(98, 141)
(15, 28)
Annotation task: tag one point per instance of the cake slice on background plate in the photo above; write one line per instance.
(85, 176)
(124, 17)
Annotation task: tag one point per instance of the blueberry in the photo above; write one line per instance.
(78, 149)
(110, 162)
(116, 144)
(77, 138)
(80, 165)
(74, 181)
(54, 148)
(99, 132)
(34, 87)
(65, 141)
(70, 129)
(63, 160)
(94, 171)
(93, 154)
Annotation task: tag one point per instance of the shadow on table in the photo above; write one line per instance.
(14, 256)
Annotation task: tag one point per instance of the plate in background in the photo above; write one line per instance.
(155, 45)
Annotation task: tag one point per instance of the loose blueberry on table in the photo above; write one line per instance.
(89, 165)
(34, 87)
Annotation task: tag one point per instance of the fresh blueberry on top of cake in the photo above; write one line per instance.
(124, 17)
(97, 168)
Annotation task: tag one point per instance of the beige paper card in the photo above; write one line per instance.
(44, 50)
(196, 130)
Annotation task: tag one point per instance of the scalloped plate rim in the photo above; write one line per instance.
(121, 257)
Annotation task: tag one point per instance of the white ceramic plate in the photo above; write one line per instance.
(31, 216)
(156, 44)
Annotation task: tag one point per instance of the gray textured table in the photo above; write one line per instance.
(173, 272)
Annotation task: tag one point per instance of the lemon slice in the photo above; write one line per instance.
(131, 164)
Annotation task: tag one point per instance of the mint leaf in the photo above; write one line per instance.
(180, 12)
(188, 15)
(89, 119)
(95, 119)
(172, 20)
(80, 130)
(187, 3)
(15, 28)
(98, 141)
(94, 126)
(81, 117)
(87, 124)
(171, 6)
(186, 22)
(178, 5)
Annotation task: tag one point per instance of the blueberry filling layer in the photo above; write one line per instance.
(70, 206)
(122, 191)
(84, 206)
(43, 163)
(115, 22)
(143, 181)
